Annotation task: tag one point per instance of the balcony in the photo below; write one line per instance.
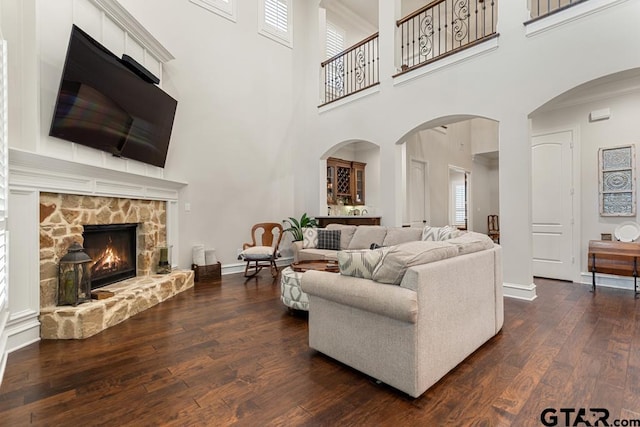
(351, 71)
(444, 27)
(542, 8)
(438, 30)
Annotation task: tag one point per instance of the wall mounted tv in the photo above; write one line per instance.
(103, 104)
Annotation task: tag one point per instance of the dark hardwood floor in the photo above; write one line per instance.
(229, 353)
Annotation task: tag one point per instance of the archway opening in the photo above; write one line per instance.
(450, 173)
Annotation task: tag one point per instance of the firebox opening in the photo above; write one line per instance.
(112, 249)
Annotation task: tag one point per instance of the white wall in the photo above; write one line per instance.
(505, 84)
(621, 128)
(484, 192)
(248, 135)
(441, 150)
(232, 135)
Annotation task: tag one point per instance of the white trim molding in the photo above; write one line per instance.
(607, 281)
(523, 292)
(31, 173)
(225, 8)
(565, 16)
(122, 17)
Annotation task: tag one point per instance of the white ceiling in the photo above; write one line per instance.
(368, 9)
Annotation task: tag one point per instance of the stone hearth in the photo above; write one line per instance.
(131, 297)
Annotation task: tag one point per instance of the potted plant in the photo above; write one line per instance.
(296, 226)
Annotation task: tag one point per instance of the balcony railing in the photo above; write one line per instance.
(351, 71)
(542, 8)
(444, 27)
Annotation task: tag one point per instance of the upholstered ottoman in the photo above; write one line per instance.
(291, 294)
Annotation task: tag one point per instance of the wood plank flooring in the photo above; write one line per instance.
(229, 353)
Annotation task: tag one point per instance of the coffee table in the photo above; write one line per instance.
(290, 278)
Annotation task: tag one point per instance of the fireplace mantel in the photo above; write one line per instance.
(28, 170)
(32, 173)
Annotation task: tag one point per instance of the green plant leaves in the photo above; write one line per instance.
(296, 226)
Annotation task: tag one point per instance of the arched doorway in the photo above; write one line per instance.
(466, 145)
(566, 134)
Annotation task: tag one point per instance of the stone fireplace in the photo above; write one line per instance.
(105, 226)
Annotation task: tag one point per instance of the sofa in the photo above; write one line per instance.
(354, 237)
(408, 314)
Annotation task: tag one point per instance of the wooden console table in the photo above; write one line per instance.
(323, 221)
(610, 257)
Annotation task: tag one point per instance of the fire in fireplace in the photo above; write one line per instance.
(112, 248)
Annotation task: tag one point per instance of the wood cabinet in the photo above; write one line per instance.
(345, 181)
(323, 221)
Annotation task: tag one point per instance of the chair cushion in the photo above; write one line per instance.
(329, 239)
(310, 238)
(360, 263)
(257, 253)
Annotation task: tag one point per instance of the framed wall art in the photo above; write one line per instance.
(617, 180)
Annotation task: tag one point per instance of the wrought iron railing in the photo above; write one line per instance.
(351, 71)
(444, 27)
(542, 8)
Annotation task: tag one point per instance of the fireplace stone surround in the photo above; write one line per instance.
(62, 217)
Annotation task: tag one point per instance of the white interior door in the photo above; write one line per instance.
(418, 194)
(552, 205)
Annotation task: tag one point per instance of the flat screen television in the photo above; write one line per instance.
(103, 104)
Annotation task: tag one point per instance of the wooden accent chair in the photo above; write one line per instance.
(264, 254)
(493, 224)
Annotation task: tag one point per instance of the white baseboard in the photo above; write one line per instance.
(523, 292)
(22, 330)
(240, 266)
(608, 281)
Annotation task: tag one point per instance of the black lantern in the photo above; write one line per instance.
(164, 266)
(74, 276)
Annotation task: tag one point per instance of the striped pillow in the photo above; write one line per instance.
(360, 263)
(439, 234)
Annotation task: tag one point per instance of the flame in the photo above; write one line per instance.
(107, 261)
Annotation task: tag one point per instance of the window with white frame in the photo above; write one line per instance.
(225, 8)
(276, 20)
(335, 40)
(460, 205)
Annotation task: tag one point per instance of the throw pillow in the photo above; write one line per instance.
(329, 239)
(359, 263)
(471, 242)
(365, 235)
(399, 258)
(438, 234)
(309, 238)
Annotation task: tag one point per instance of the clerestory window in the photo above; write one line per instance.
(276, 20)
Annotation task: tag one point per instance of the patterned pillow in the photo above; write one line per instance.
(439, 234)
(310, 238)
(329, 239)
(360, 263)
